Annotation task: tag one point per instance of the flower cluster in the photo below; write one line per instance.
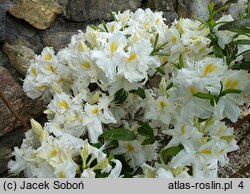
(135, 98)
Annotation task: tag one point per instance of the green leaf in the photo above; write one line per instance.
(168, 153)
(158, 54)
(112, 144)
(120, 96)
(205, 96)
(145, 130)
(120, 134)
(111, 156)
(140, 92)
(244, 65)
(248, 8)
(170, 85)
(101, 175)
(114, 16)
(243, 42)
(229, 2)
(105, 26)
(127, 36)
(161, 70)
(243, 52)
(226, 5)
(156, 40)
(218, 52)
(148, 140)
(97, 28)
(230, 91)
(211, 7)
(237, 25)
(161, 46)
(181, 61)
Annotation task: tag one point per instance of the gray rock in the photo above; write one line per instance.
(63, 4)
(20, 32)
(200, 8)
(19, 56)
(183, 9)
(4, 61)
(162, 5)
(4, 6)
(170, 17)
(83, 10)
(3, 58)
(64, 25)
(2, 23)
(57, 40)
(39, 13)
(8, 120)
(14, 99)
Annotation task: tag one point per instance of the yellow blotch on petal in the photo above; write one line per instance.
(195, 38)
(112, 28)
(132, 57)
(203, 140)
(209, 69)
(48, 57)
(157, 21)
(146, 25)
(42, 87)
(86, 65)
(113, 46)
(53, 153)
(50, 68)
(95, 110)
(82, 47)
(183, 129)
(206, 152)
(193, 89)
(186, 49)
(231, 84)
(33, 71)
(63, 104)
(61, 174)
(162, 104)
(164, 60)
(221, 151)
(174, 39)
(130, 147)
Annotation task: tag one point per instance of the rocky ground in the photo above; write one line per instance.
(26, 27)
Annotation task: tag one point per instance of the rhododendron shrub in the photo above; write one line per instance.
(135, 97)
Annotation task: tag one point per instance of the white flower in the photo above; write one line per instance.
(116, 171)
(110, 55)
(160, 109)
(224, 36)
(133, 152)
(60, 104)
(180, 134)
(67, 169)
(238, 8)
(228, 105)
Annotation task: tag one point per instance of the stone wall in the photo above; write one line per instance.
(27, 26)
